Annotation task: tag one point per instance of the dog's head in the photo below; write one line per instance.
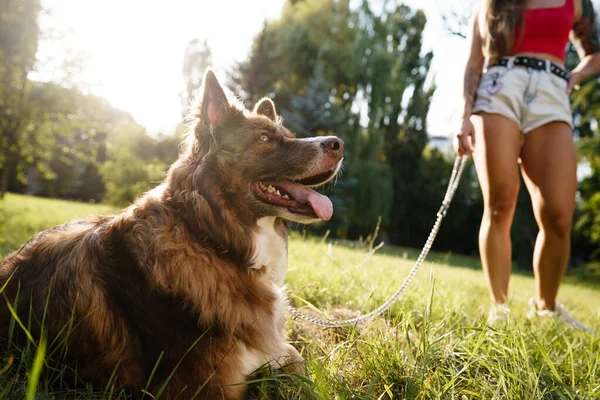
(255, 163)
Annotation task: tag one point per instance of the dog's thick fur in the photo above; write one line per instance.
(188, 278)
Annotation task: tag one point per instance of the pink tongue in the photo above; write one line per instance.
(303, 194)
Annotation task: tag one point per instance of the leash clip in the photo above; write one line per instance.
(443, 209)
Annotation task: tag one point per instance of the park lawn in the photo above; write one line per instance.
(432, 344)
(23, 216)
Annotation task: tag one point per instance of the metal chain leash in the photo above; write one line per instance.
(457, 170)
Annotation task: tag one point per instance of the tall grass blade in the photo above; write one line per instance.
(152, 375)
(166, 382)
(18, 320)
(547, 359)
(36, 370)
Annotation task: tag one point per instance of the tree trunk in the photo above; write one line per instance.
(4, 180)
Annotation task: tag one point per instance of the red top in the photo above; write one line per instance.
(546, 30)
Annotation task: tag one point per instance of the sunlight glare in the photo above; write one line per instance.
(134, 49)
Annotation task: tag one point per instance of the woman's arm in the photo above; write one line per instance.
(474, 66)
(586, 40)
(465, 139)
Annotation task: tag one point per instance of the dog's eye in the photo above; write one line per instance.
(264, 138)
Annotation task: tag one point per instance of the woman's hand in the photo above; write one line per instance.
(464, 142)
(588, 67)
(574, 78)
(586, 40)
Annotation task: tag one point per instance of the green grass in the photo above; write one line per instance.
(432, 344)
(23, 216)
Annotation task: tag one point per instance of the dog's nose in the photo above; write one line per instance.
(333, 145)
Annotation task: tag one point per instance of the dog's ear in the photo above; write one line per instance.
(266, 107)
(213, 106)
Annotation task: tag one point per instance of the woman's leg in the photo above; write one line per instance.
(550, 171)
(497, 148)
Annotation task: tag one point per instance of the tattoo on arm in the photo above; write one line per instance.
(584, 34)
(471, 83)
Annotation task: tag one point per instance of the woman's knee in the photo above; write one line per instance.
(557, 222)
(500, 209)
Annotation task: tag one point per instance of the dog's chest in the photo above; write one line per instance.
(270, 250)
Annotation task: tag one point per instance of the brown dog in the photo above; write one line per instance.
(187, 280)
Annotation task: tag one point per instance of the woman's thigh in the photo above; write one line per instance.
(496, 154)
(549, 163)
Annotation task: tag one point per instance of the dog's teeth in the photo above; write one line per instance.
(270, 189)
(285, 196)
(278, 194)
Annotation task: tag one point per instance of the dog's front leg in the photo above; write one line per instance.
(292, 361)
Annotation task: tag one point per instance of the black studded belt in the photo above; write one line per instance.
(533, 63)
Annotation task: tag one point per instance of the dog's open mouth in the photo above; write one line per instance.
(297, 196)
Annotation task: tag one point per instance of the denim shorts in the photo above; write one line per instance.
(529, 97)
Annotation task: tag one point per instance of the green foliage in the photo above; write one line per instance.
(333, 68)
(371, 195)
(585, 103)
(136, 162)
(55, 140)
(256, 76)
(354, 69)
(126, 177)
(314, 111)
(18, 45)
(78, 146)
(66, 140)
(432, 344)
(587, 222)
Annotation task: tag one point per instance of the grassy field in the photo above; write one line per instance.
(23, 216)
(432, 344)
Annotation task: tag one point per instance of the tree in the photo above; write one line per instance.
(65, 142)
(18, 46)
(585, 103)
(396, 72)
(587, 221)
(314, 111)
(335, 68)
(255, 77)
(197, 58)
(127, 176)
(136, 162)
(55, 139)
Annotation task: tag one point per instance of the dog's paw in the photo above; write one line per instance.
(293, 362)
(290, 361)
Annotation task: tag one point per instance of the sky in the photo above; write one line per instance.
(131, 51)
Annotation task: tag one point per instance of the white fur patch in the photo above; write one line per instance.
(270, 250)
(253, 359)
